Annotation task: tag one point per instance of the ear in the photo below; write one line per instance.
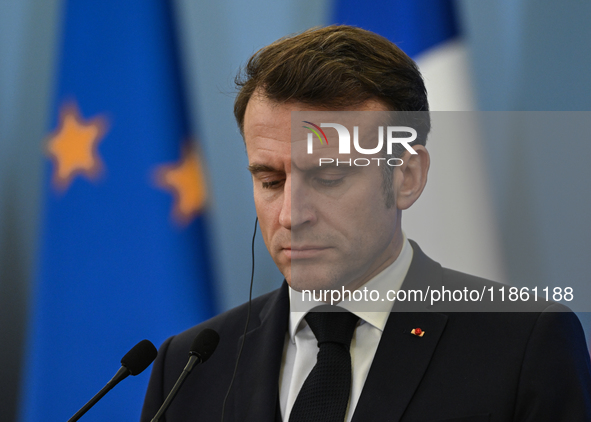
(411, 177)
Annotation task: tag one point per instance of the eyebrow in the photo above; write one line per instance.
(261, 168)
(316, 169)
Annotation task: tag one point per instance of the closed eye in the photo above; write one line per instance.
(329, 182)
(272, 184)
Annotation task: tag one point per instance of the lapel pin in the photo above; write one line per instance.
(417, 332)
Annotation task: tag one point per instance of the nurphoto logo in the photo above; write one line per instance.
(393, 136)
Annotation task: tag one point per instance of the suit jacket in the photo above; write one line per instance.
(468, 367)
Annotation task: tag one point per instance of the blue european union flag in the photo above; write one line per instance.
(123, 254)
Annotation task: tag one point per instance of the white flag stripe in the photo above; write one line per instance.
(454, 221)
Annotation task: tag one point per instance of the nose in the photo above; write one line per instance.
(297, 208)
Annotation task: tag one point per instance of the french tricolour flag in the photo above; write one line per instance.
(453, 221)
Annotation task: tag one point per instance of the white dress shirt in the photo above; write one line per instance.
(299, 353)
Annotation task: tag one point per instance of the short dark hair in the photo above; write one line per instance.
(334, 67)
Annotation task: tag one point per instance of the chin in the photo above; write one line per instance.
(309, 279)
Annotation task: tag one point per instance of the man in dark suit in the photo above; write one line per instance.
(337, 228)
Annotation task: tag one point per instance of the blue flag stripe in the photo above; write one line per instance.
(414, 26)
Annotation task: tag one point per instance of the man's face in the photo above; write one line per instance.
(325, 227)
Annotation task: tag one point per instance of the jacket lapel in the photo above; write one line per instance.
(256, 385)
(402, 358)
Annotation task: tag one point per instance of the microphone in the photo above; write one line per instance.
(134, 362)
(201, 349)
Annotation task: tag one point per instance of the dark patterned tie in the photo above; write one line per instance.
(325, 393)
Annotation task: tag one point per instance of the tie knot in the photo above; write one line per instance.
(332, 326)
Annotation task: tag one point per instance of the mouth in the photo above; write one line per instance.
(304, 252)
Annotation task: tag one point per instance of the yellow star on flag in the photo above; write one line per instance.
(186, 181)
(73, 146)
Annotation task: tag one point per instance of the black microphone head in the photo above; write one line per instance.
(205, 344)
(139, 357)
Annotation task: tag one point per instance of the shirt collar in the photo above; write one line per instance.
(390, 278)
